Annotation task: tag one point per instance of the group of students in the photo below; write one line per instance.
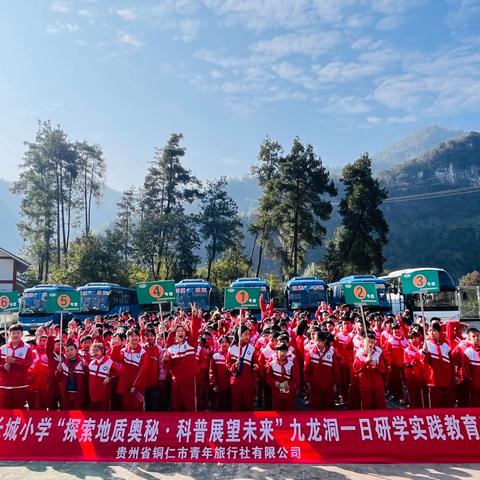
(192, 361)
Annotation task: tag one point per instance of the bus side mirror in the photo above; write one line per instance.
(464, 296)
(330, 292)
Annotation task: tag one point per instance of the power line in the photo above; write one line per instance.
(429, 195)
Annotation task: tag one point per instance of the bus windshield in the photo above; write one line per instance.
(302, 296)
(382, 295)
(33, 302)
(445, 300)
(200, 296)
(94, 300)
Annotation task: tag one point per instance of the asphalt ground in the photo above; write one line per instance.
(175, 471)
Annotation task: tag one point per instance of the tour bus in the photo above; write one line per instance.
(195, 291)
(32, 311)
(254, 282)
(336, 294)
(305, 293)
(106, 299)
(443, 304)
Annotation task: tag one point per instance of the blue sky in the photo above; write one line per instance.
(347, 76)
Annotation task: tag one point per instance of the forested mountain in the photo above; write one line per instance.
(412, 146)
(442, 231)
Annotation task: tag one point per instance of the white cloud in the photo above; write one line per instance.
(411, 118)
(374, 120)
(128, 14)
(59, 27)
(86, 13)
(335, 72)
(390, 22)
(130, 39)
(348, 105)
(310, 45)
(189, 29)
(60, 7)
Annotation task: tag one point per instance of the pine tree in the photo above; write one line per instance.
(357, 245)
(299, 206)
(219, 223)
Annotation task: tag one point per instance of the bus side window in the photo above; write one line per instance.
(114, 298)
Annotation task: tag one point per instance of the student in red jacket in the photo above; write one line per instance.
(283, 377)
(243, 362)
(344, 347)
(15, 360)
(322, 372)
(183, 363)
(130, 386)
(394, 349)
(471, 366)
(370, 367)
(440, 372)
(73, 379)
(39, 371)
(101, 371)
(415, 372)
(150, 374)
(220, 376)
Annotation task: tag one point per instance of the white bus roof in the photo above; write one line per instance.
(398, 273)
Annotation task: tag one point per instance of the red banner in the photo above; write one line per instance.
(389, 436)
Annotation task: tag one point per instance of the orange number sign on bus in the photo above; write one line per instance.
(419, 280)
(360, 292)
(4, 301)
(63, 301)
(242, 297)
(156, 291)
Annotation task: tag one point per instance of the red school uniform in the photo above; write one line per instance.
(99, 392)
(440, 374)
(183, 365)
(370, 378)
(132, 361)
(286, 374)
(415, 376)
(394, 354)
(322, 372)
(14, 379)
(242, 381)
(219, 376)
(73, 384)
(471, 372)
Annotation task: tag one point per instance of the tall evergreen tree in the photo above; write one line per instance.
(298, 204)
(220, 225)
(264, 227)
(357, 245)
(92, 170)
(168, 187)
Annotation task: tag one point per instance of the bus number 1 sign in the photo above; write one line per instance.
(242, 297)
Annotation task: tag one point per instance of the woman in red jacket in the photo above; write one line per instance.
(243, 362)
(129, 385)
(370, 367)
(183, 363)
(440, 370)
(101, 371)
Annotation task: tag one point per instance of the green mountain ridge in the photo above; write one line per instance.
(443, 231)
